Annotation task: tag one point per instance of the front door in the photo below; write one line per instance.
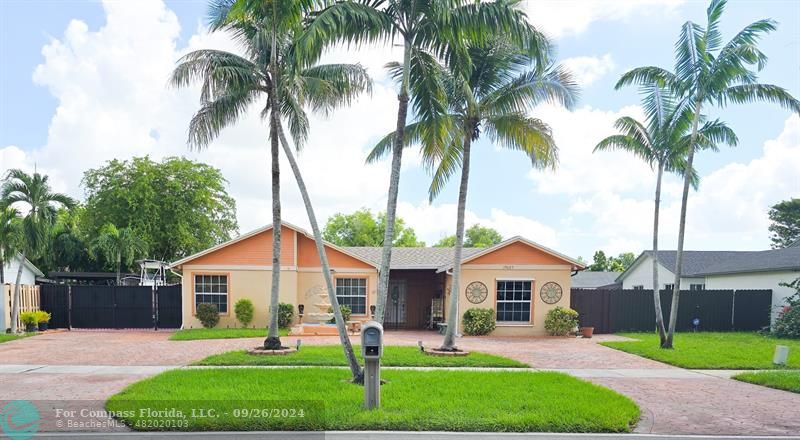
(396, 305)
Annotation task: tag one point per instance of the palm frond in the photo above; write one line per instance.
(516, 131)
(759, 92)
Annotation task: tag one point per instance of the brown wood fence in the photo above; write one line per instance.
(611, 311)
(29, 300)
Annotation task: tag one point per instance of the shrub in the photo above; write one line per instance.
(244, 311)
(42, 316)
(560, 321)
(346, 313)
(479, 322)
(208, 315)
(28, 318)
(788, 323)
(285, 315)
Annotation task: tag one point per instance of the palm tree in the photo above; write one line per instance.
(232, 83)
(9, 237)
(708, 72)
(33, 194)
(493, 98)
(428, 29)
(663, 143)
(117, 246)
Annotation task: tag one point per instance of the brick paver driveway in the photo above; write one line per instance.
(695, 404)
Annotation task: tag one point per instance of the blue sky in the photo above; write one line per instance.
(85, 81)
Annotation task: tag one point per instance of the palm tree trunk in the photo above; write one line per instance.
(2, 270)
(452, 310)
(676, 288)
(273, 341)
(341, 327)
(119, 267)
(656, 291)
(15, 300)
(394, 184)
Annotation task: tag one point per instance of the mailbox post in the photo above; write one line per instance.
(372, 350)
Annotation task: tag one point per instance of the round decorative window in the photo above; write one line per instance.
(551, 293)
(477, 292)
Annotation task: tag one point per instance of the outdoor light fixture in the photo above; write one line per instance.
(300, 309)
(372, 310)
(421, 347)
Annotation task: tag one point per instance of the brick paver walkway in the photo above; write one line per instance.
(687, 404)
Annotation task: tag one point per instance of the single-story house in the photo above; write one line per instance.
(28, 278)
(738, 270)
(587, 279)
(518, 278)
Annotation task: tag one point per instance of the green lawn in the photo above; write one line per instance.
(192, 334)
(411, 400)
(782, 380)
(5, 337)
(736, 350)
(332, 355)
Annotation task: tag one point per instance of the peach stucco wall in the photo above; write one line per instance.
(255, 251)
(307, 256)
(517, 253)
(489, 276)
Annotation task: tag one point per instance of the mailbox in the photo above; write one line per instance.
(372, 340)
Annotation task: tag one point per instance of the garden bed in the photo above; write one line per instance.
(192, 334)
(332, 355)
(411, 400)
(712, 350)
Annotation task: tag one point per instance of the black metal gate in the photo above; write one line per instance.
(116, 307)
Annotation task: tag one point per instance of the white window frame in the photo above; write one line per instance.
(638, 287)
(497, 299)
(350, 289)
(697, 286)
(219, 286)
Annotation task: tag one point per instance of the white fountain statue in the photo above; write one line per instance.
(320, 321)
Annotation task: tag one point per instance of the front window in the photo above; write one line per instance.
(669, 286)
(211, 289)
(352, 292)
(638, 287)
(514, 301)
(697, 287)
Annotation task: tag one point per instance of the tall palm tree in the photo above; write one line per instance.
(34, 195)
(117, 246)
(493, 98)
(428, 29)
(662, 142)
(278, 71)
(708, 73)
(9, 237)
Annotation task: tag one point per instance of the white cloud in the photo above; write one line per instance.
(572, 17)
(433, 222)
(589, 69)
(114, 104)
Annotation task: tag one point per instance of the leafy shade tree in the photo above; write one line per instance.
(362, 228)
(785, 227)
(9, 237)
(476, 236)
(709, 72)
(603, 263)
(32, 194)
(119, 247)
(426, 29)
(178, 206)
(662, 142)
(277, 70)
(492, 97)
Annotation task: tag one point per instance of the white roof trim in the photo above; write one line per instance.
(512, 240)
(27, 263)
(258, 231)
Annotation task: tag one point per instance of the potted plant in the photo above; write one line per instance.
(587, 332)
(30, 320)
(43, 318)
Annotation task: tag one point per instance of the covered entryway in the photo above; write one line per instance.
(415, 299)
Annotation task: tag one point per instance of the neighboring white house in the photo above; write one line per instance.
(10, 268)
(736, 270)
